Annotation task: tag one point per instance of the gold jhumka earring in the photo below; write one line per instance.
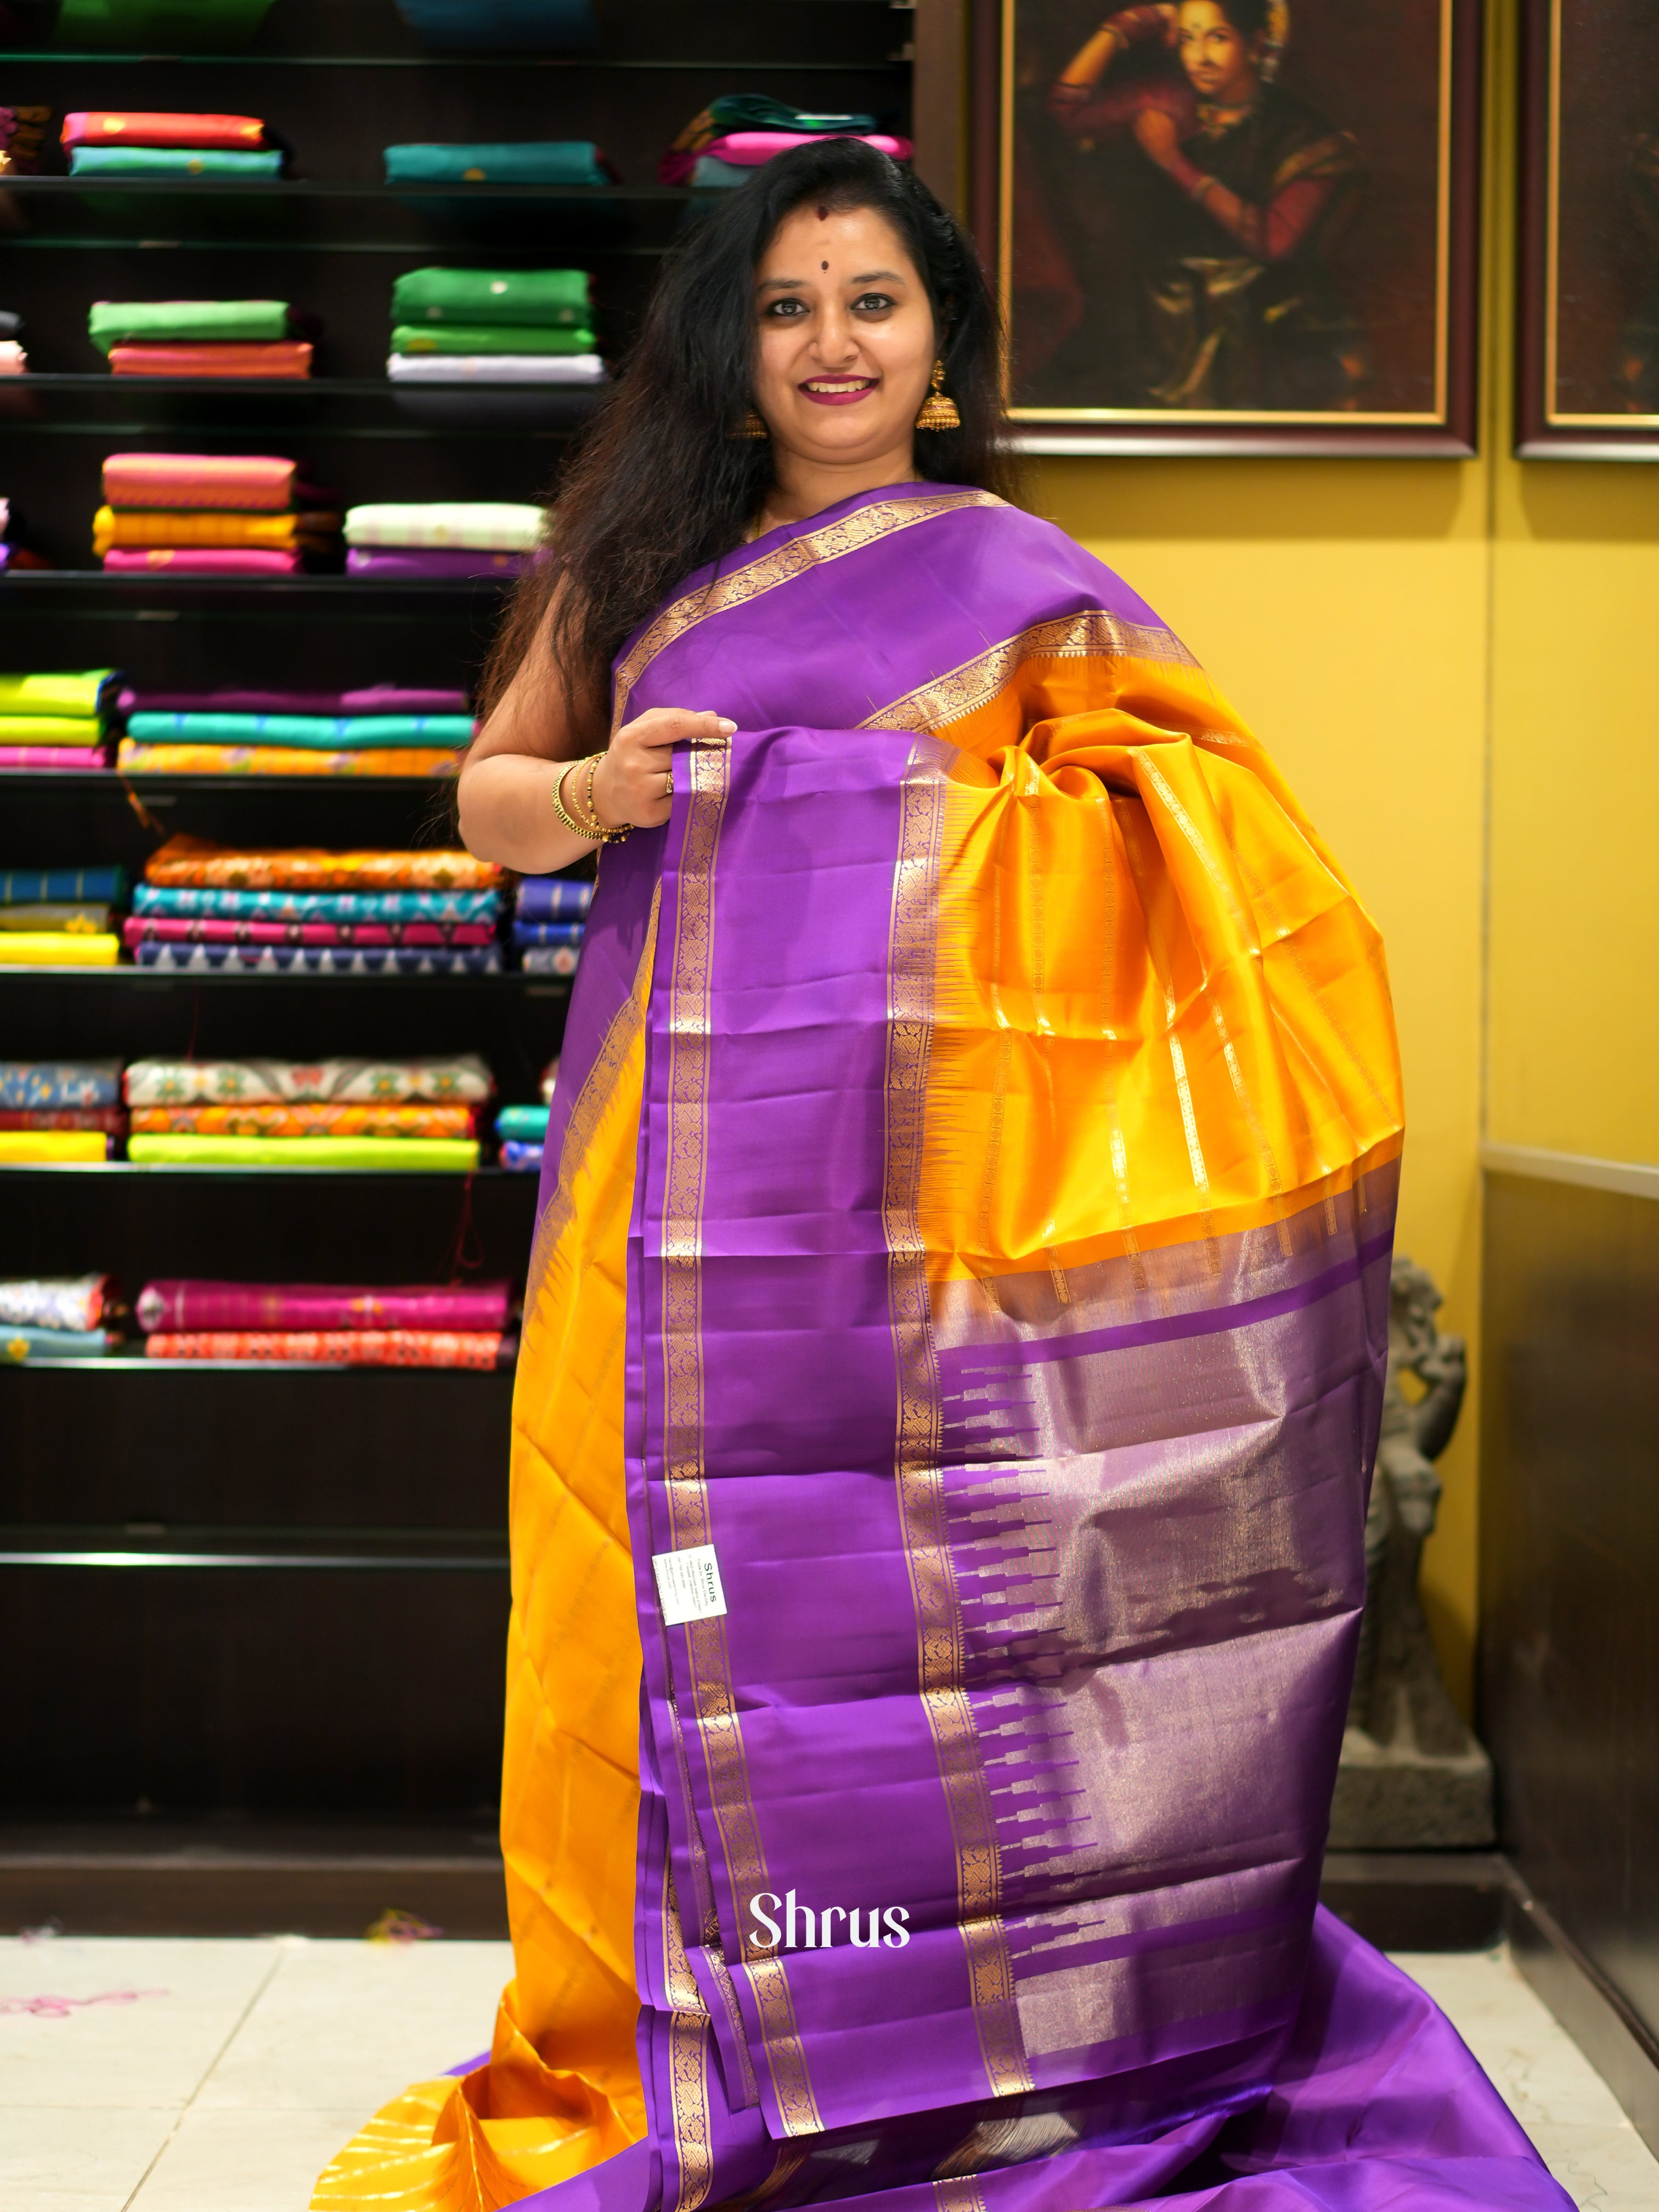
(939, 409)
(752, 426)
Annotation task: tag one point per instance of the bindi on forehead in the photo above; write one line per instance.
(824, 264)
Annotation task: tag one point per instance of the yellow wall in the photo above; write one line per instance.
(1449, 659)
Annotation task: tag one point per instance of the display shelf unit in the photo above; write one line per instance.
(227, 1589)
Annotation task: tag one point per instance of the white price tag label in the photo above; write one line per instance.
(689, 1585)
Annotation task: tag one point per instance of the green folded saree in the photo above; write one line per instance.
(171, 161)
(54, 695)
(443, 1154)
(160, 26)
(488, 337)
(550, 298)
(118, 322)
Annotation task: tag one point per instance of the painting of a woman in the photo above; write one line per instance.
(1226, 192)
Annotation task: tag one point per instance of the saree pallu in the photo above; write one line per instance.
(952, 1364)
(187, 1305)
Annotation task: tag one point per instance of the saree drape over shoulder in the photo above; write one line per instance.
(951, 1370)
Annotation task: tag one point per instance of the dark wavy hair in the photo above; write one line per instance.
(658, 486)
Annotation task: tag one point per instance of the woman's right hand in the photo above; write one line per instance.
(632, 781)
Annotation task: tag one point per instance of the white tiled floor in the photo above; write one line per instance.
(220, 2076)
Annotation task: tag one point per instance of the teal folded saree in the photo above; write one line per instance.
(528, 161)
(549, 299)
(172, 161)
(118, 322)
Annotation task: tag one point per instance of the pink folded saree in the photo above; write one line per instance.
(349, 1347)
(748, 149)
(254, 482)
(131, 126)
(53, 757)
(189, 1304)
(200, 561)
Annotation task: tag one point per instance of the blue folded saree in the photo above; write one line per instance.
(318, 732)
(21, 1344)
(172, 161)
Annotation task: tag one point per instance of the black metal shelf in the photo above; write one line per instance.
(82, 403)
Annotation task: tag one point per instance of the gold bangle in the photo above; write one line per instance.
(599, 830)
(588, 837)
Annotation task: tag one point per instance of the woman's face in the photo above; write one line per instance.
(1219, 62)
(846, 343)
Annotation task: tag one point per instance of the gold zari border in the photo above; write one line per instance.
(714, 1702)
(1094, 633)
(781, 566)
(910, 964)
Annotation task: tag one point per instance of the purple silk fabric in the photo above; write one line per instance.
(376, 699)
(416, 562)
(186, 1305)
(1101, 1826)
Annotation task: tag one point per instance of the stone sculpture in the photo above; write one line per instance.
(1411, 1776)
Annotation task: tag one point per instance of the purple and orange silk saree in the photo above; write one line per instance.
(951, 1370)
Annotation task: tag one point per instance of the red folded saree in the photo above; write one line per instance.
(132, 126)
(192, 1305)
(285, 357)
(348, 1348)
(257, 482)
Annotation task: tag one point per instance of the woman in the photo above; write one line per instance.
(954, 1338)
(1230, 209)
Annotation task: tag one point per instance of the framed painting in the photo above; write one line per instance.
(1589, 340)
(1233, 225)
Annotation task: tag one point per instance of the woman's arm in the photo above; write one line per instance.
(1271, 233)
(531, 747)
(1117, 35)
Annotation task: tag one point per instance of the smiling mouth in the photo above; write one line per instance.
(838, 390)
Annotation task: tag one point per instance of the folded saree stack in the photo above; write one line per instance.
(139, 143)
(59, 1113)
(493, 326)
(59, 917)
(735, 134)
(326, 1324)
(522, 1130)
(397, 1114)
(56, 1318)
(56, 722)
(548, 918)
(300, 911)
(386, 730)
(438, 539)
(209, 514)
(199, 338)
